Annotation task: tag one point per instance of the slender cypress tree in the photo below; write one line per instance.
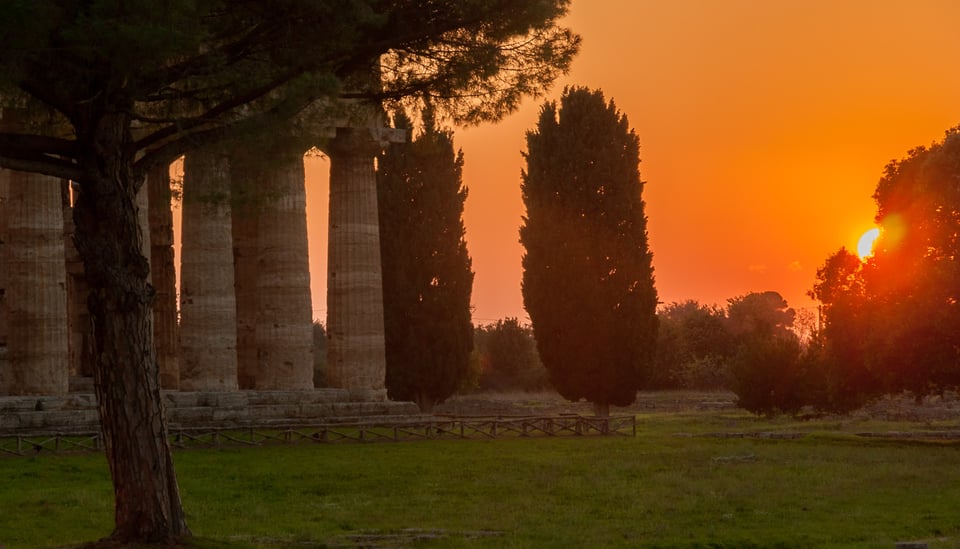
(427, 276)
(587, 275)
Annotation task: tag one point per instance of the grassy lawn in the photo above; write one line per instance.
(687, 480)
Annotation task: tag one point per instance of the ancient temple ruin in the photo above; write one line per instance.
(244, 320)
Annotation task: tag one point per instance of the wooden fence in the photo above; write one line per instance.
(342, 433)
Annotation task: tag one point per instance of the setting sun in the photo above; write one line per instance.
(865, 244)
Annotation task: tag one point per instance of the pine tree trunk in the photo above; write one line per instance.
(4, 192)
(163, 277)
(355, 331)
(37, 355)
(126, 380)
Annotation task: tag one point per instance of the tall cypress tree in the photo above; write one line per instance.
(587, 271)
(427, 276)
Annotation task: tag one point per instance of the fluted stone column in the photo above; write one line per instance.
(208, 312)
(355, 358)
(36, 294)
(79, 325)
(284, 327)
(163, 276)
(244, 181)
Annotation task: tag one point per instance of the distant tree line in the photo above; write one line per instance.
(889, 323)
(751, 347)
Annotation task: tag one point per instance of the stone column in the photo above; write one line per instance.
(355, 357)
(243, 184)
(79, 324)
(208, 310)
(163, 276)
(36, 292)
(284, 327)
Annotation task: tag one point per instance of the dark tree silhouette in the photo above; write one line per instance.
(693, 347)
(913, 279)
(587, 274)
(508, 357)
(892, 322)
(427, 276)
(840, 378)
(766, 369)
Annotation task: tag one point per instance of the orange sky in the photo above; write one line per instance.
(764, 127)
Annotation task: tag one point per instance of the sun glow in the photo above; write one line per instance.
(866, 242)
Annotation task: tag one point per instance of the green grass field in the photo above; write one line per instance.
(677, 484)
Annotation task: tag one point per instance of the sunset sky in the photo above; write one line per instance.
(764, 127)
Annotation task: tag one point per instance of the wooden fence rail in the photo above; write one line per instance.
(341, 433)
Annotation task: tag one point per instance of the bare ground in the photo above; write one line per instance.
(891, 408)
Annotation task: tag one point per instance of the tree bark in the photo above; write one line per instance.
(355, 332)
(126, 381)
(4, 190)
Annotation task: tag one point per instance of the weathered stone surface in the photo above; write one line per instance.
(9, 422)
(243, 182)
(80, 337)
(182, 399)
(318, 410)
(78, 412)
(48, 404)
(82, 401)
(81, 384)
(163, 276)
(195, 414)
(367, 395)
(284, 325)
(314, 396)
(18, 404)
(208, 310)
(355, 354)
(36, 287)
(238, 399)
(57, 420)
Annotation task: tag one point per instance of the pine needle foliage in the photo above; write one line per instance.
(427, 276)
(588, 282)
